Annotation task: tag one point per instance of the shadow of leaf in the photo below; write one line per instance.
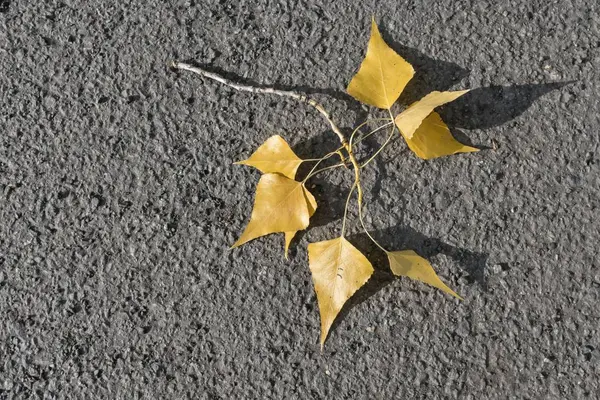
(495, 105)
(430, 74)
(317, 145)
(4, 6)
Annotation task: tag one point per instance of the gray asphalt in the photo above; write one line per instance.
(119, 201)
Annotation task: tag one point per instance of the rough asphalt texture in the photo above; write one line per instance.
(119, 202)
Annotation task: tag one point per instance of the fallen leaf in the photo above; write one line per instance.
(279, 206)
(410, 119)
(311, 203)
(433, 139)
(338, 271)
(274, 155)
(383, 74)
(410, 264)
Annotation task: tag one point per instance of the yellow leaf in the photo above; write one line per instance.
(410, 264)
(410, 119)
(311, 203)
(338, 271)
(274, 155)
(383, 74)
(433, 139)
(279, 206)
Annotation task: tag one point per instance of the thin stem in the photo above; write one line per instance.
(384, 144)
(310, 175)
(360, 207)
(357, 129)
(346, 209)
(361, 138)
(314, 159)
(356, 167)
(319, 161)
(268, 90)
(362, 222)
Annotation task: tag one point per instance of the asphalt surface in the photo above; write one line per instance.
(119, 201)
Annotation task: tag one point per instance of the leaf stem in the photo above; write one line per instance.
(361, 138)
(357, 129)
(319, 161)
(383, 146)
(362, 222)
(346, 208)
(315, 159)
(360, 206)
(374, 131)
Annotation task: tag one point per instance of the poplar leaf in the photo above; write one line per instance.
(410, 119)
(274, 155)
(410, 264)
(383, 74)
(433, 139)
(311, 203)
(279, 206)
(338, 271)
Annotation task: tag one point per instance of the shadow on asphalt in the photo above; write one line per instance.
(495, 105)
(487, 107)
(4, 6)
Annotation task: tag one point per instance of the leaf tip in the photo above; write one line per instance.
(374, 28)
(237, 244)
(442, 286)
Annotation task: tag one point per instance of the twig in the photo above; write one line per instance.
(268, 90)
